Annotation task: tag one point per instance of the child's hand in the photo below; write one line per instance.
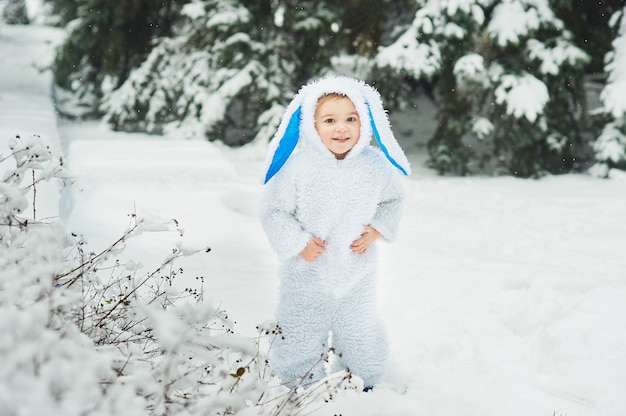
(369, 235)
(313, 249)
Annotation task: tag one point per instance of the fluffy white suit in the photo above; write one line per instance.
(310, 193)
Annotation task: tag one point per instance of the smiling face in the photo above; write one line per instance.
(338, 124)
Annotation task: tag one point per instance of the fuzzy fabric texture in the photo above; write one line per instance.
(313, 194)
(298, 123)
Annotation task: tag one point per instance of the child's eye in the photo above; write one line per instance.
(352, 119)
(329, 120)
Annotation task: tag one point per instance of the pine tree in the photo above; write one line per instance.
(64, 10)
(228, 70)
(224, 72)
(506, 77)
(107, 39)
(190, 80)
(15, 13)
(610, 146)
(588, 21)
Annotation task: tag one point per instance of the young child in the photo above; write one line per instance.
(323, 208)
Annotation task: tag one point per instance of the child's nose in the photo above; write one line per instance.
(342, 126)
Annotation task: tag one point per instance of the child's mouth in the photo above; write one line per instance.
(341, 139)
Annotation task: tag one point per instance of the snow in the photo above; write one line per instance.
(552, 59)
(418, 59)
(511, 21)
(502, 296)
(193, 10)
(613, 96)
(25, 94)
(524, 96)
(454, 5)
(482, 127)
(229, 16)
(452, 30)
(514, 19)
(470, 66)
(610, 146)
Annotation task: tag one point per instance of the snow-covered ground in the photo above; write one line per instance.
(502, 296)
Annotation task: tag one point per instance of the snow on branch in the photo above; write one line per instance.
(610, 146)
(513, 20)
(613, 96)
(523, 96)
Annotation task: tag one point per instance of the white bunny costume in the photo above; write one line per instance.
(310, 193)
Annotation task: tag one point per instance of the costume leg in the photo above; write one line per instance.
(359, 336)
(304, 317)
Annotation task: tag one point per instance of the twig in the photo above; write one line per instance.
(92, 259)
(34, 196)
(129, 294)
(9, 156)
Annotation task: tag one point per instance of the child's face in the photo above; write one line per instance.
(338, 124)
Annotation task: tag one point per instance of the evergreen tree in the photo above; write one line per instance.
(363, 24)
(505, 73)
(310, 35)
(225, 70)
(64, 10)
(588, 21)
(15, 13)
(398, 88)
(228, 70)
(610, 146)
(107, 39)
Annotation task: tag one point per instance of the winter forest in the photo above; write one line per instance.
(135, 278)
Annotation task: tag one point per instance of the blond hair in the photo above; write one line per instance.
(329, 97)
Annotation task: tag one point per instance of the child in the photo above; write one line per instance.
(323, 208)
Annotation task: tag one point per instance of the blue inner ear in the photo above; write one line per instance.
(381, 144)
(286, 145)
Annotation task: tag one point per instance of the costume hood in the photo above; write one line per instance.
(298, 122)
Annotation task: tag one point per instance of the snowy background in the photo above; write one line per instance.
(502, 296)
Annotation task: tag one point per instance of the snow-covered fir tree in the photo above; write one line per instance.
(106, 40)
(64, 11)
(15, 12)
(507, 78)
(227, 71)
(610, 146)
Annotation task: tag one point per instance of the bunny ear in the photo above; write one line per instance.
(382, 131)
(285, 144)
(384, 148)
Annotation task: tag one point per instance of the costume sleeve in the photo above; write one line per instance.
(387, 215)
(277, 213)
